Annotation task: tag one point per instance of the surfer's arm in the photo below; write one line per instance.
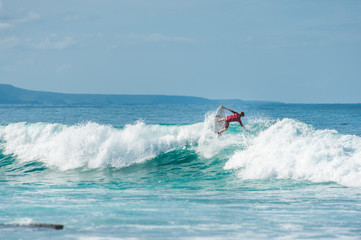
(240, 122)
(229, 109)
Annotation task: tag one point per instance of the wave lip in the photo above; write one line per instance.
(294, 150)
(93, 145)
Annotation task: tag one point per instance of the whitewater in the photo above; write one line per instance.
(107, 174)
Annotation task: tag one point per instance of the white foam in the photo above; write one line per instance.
(292, 149)
(22, 221)
(93, 145)
(209, 144)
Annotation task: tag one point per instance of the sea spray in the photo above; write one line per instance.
(290, 149)
(283, 149)
(93, 145)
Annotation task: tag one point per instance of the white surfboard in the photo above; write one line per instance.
(219, 115)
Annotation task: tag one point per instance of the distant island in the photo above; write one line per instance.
(13, 95)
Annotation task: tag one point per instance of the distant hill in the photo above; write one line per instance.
(13, 95)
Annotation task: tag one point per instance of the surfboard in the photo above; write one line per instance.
(218, 125)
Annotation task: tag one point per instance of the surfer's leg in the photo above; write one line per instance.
(221, 119)
(226, 125)
(220, 131)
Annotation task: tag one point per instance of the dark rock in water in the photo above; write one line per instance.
(55, 226)
(33, 225)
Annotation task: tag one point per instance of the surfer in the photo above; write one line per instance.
(236, 117)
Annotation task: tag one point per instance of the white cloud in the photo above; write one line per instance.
(5, 26)
(29, 17)
(53, 42)
(15, 20)
(9, 42)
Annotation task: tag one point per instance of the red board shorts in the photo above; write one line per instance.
(233, 118)
(226, 122)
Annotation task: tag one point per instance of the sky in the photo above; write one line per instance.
(283, 50)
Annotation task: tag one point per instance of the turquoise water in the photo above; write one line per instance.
(158, 172)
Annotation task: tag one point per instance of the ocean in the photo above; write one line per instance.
(159, 172)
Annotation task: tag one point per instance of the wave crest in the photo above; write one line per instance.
(292, 149)
(93, 145)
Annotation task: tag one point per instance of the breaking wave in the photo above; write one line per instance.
(282, 149)
(290, 149)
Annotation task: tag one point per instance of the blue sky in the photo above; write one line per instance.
(291, 51)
